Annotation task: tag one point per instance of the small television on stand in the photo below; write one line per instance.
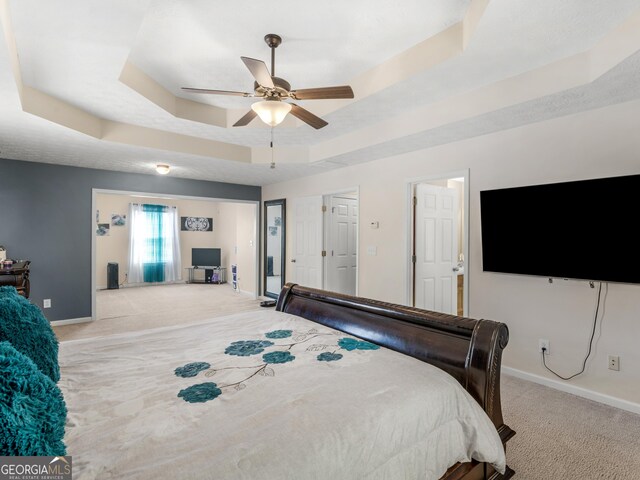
(208, 259)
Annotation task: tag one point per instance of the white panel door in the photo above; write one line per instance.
(342, 256)
(436, 247)
(307, 241)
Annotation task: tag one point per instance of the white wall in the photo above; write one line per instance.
(594, 144)
(237, 239)
(227, 222)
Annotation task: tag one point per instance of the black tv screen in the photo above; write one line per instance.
(578, 230)
(205, 257)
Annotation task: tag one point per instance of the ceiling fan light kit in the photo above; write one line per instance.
(163, 168)
(271, 111)
(274, 90)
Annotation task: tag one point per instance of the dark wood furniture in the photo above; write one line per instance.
(469, 350)
(17, 276)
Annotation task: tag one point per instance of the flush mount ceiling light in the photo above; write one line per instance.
(162, 168)
(271, 111)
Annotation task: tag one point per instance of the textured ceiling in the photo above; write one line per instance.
(77, 54)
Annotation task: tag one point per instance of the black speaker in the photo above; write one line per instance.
(112, 276)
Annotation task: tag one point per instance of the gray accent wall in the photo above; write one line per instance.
(46, 217)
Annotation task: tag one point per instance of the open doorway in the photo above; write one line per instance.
(226, 229)
(438, 243)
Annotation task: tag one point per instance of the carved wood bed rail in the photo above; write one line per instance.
(469, 350)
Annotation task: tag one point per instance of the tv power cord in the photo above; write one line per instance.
(593, 333)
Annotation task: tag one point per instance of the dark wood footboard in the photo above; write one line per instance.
(469, 350)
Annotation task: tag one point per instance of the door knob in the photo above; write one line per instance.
(293, 260)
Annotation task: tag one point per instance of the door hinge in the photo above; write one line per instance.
(413, 259)
(324, 208)
(415, 201)
(324, 253)
(333, 209)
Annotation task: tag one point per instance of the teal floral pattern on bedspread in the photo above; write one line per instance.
(279, 334)
(278, 357)
(324, 348)
(191, 369)
(350, 344)
(203, 392)
(244, 348)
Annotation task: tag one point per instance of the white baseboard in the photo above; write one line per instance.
(142, 284)
(575, 390)
(69, 321)
(247, 294)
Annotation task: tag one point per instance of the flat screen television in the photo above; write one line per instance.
(205, 257)
(576, 230)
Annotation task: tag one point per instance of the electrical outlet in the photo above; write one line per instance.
(544, 343)
(614, 363)
(46, 303)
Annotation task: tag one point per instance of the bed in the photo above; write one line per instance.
(326, 386)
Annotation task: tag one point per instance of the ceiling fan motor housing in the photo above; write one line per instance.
(282, 88)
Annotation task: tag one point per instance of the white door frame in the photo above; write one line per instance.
(95, 191)
(325, 234)
(410, 184)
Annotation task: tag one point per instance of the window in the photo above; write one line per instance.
(154, 243)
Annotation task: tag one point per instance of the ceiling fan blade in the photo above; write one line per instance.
(259, 71)
(325, 93)
(217, 92)
(307, 117)
(246, 119)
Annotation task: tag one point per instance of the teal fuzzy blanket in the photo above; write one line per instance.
(32, 410)
(26, 328)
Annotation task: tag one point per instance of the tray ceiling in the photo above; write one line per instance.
(97, 84)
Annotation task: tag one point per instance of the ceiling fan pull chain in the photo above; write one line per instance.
(273, 163)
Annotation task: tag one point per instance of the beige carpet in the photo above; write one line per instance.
(559, 435)
(141, 308)
(567, 437)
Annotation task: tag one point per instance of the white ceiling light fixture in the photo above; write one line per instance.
(271, 111)
(163, 168)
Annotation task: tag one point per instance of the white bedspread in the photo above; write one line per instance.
(371, 414)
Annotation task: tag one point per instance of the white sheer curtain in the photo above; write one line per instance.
(154, 244)
(173, 261)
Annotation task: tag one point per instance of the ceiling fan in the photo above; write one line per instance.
(274, 90)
